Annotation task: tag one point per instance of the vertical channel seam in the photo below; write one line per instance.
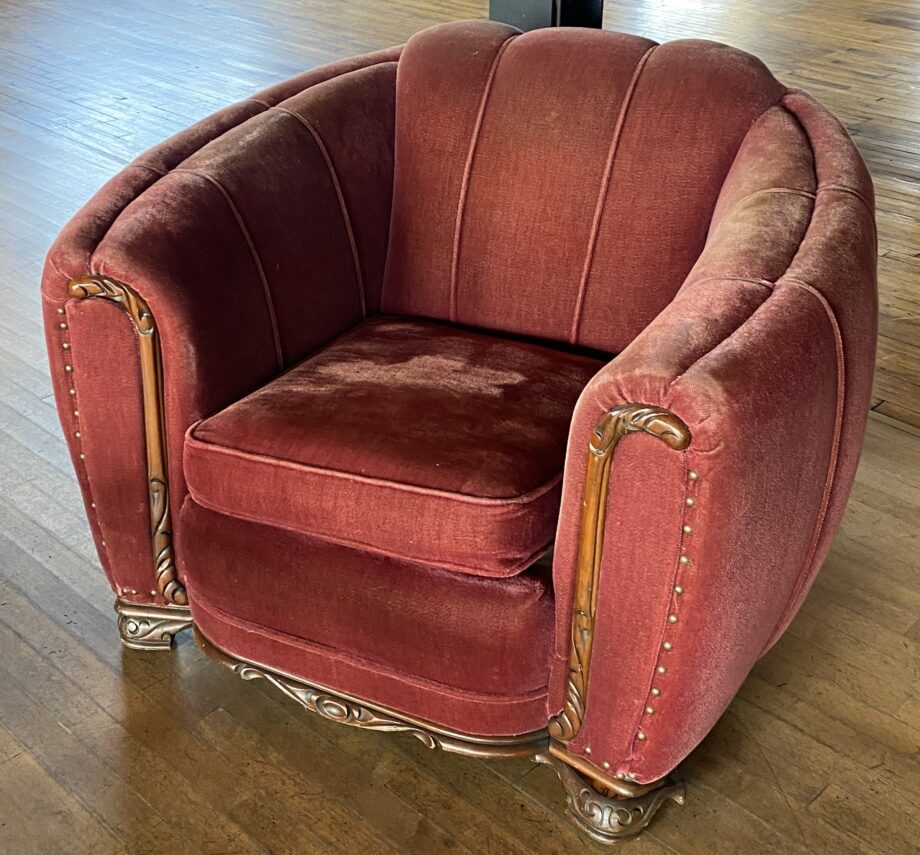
(835, 452)
(603, 190)
(467, 171)
(346, 217)
(269, 302)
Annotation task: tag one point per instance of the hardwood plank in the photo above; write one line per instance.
(328, 773)
(100, 790)
(131, 751)
(39, 816)
(305, 804)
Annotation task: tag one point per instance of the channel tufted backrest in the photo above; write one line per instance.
(560, 183)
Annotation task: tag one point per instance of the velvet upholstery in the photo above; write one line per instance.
(493, 127)
(182, 244)
(468, 652)
(766, 353)
(461, 433)
(345, 271)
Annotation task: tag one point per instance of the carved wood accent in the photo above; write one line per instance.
(355, 712)
(608, 818)
(144, 627)
(151, 360)
(615, 424)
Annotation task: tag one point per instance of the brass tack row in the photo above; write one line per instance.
(655, 692)
(683, 561)
(72, 391)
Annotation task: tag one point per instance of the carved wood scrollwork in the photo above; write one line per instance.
(335, 708)
(151, 360)
(609, 818)
(145, 627)
(356, 713)
(615, 424)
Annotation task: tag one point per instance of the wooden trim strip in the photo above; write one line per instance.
(103, 287)
(615, 424)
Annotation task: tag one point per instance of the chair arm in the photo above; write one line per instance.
(203, 269)
(759, 384)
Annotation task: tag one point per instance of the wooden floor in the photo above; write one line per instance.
(104, 750)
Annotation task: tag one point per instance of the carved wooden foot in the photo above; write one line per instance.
(609, 818)
(150, 627)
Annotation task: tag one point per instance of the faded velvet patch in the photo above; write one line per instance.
(461, 433)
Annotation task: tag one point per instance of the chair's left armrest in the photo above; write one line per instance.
(199, 272)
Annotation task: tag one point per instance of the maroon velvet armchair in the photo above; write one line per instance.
(502, 389)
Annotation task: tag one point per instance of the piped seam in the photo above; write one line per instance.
(601, 202)
(163, 174)
(834, 456)
(247, 237)
(469, 570)
(204, 445)
(668, 397)
(154, 169)
(343, 207)
(768, 191)
(467, 172)
(745, 280)
(852, 191)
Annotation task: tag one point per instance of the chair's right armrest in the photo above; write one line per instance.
(199, 272)
(757, 378)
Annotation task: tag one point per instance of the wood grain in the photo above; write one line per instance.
(104, 750)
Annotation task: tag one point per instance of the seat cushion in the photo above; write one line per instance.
(417, 440)
(462, 651)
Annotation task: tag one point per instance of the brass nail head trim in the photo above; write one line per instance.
(151, 359)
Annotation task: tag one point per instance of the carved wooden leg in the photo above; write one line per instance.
(150, 627)
(610, 817)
